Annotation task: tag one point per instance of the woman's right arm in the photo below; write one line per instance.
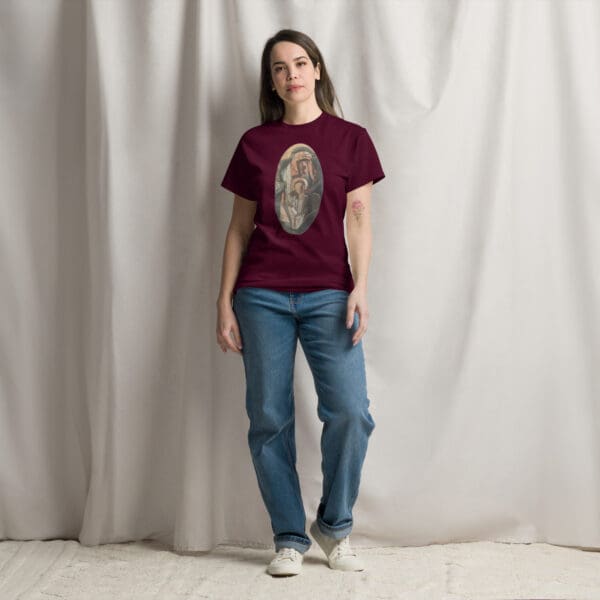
(240, 229)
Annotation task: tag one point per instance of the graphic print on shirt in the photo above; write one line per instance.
(298, 188)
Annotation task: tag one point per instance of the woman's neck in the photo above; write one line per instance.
(301, 114)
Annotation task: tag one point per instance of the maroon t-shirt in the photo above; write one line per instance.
(300, 175)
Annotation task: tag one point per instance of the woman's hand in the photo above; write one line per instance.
(227, 326)
(357, 301)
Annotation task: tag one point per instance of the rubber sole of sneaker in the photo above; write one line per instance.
(283, 574)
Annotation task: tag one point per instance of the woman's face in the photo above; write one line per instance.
(293, 73)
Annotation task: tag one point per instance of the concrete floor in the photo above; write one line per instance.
(57, 569)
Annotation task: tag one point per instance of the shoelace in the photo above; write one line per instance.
(343, 548)
(285, 553)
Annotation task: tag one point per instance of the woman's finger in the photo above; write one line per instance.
(362, 329)
(238, 337)
(357, 335)
(232, 341)
(349, 316)
(228, 342)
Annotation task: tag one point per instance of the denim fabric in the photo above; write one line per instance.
(271, 322)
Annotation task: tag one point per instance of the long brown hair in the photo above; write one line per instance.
(270, 104)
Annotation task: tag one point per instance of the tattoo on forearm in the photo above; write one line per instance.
(357, 209)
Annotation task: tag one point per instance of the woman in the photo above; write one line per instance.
(296, 176)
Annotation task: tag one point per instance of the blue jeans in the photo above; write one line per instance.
(270, 323)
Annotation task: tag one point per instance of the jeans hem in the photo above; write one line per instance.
(292, 542)
(337, 533)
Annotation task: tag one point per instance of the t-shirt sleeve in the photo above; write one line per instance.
(365, 164)
(238, 176)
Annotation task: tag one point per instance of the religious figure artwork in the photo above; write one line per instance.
(298, 188)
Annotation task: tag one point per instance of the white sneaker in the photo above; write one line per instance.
(340, 554)
(287, 561)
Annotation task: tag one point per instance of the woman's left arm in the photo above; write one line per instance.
(358, 232)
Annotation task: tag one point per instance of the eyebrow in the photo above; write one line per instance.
(283, 63)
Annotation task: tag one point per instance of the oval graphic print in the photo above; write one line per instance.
(298, 188)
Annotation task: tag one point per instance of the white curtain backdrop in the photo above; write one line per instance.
(120, 417)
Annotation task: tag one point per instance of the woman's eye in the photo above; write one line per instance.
(278, 68)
